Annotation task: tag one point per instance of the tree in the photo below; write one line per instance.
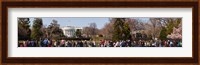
(24, 31)
(126, 32)
(139, 26)
(135, 24)
(54, 30)
(156, 27)
(93, 27)
(121, 29)
(86, 31)
(163, 34)
(118, 26)
(36, 29)
(177, 32)
(45, 31)
(107, 30)
(90, 30)
(78, 33)
(172, 23)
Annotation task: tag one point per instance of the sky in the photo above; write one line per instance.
(75, 21)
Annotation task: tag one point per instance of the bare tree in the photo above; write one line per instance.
(156, 27)
(93, 29)
(86, 31)
(107, 30)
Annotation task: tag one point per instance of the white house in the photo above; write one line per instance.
(70, 31)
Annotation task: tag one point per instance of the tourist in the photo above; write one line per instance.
(45, 43)
(62, 43)
(54, 44)
(50, 43)
(111, 44)
(102, 43)
(41, 43)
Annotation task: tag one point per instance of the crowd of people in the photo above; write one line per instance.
(101, 43)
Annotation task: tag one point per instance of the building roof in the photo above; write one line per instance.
(71, 27)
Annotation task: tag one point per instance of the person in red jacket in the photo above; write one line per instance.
(102, 43)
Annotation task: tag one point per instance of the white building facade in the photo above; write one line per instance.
(70, 31)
